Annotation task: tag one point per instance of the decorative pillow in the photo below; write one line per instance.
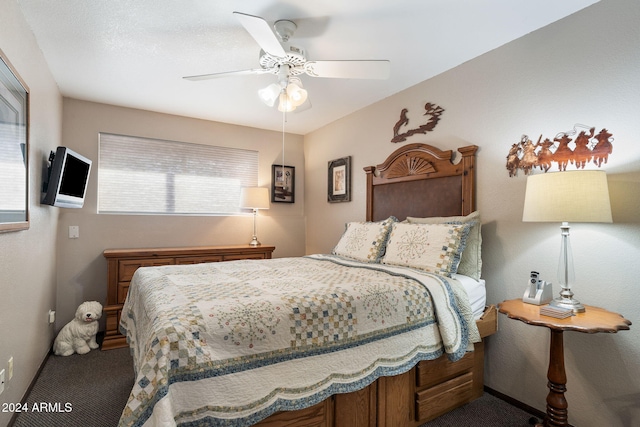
(435, 248)
(364, 241)
(471, 262)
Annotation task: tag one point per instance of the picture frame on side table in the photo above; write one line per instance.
(14, 149)
(283, 184)
(339, 180)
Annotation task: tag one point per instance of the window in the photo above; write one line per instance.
(151, 176)
(13, 186)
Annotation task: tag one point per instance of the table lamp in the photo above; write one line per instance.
(254, 198)
(569, 196)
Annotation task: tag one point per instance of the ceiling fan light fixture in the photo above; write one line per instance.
(269, 94)
(296, 93)
(288, 61)
(285, 105)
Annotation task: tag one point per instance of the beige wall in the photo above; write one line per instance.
(582, 69)
(27, 258)
(81, 268)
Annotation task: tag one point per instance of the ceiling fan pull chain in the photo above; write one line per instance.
(284, 119)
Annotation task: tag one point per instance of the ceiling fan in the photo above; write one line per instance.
(287, 61)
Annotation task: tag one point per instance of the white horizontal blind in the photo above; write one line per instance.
(150, 176)
(13, 175)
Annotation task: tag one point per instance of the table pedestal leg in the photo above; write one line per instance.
(557, 413)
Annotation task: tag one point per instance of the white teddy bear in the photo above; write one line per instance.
(79, 335)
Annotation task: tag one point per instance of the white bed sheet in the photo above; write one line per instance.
(476, 291)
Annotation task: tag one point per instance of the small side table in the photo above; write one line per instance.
(593, 320)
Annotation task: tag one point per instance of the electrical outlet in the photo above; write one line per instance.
(1, 381)
(52, 316)
(10, 368)
(74, 232)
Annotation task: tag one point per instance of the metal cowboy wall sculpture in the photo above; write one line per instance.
(562, 150)
(432, 110)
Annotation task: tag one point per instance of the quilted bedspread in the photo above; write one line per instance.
(230, 343)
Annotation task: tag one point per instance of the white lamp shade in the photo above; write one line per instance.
(269, 94)
(570, 196)
(297, 95)
(285, 104)
(254, 198)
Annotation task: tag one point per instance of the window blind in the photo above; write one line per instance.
(151, 176)
(13, 183)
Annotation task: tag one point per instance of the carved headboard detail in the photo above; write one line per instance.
(421, 180)
(405, 166)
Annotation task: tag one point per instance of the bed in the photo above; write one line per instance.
(363, 336)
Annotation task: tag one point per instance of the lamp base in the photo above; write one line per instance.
(254, 241)
(568, 303)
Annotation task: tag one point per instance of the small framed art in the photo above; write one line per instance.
(339, 180)
(283, 182)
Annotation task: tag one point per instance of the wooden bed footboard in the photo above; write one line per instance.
(428, 390)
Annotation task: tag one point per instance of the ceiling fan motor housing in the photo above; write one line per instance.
(294, 57)
(284, 29)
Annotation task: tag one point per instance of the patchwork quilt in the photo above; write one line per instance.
(230, 343)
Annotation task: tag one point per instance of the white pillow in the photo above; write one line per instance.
(364, 241)
(435, 248)
(471, 262)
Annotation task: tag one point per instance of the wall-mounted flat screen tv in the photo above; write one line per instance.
(68, 176)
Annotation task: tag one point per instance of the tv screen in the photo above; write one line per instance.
(74, 177)
(68, 178)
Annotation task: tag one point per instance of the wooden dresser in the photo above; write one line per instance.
(122, 263)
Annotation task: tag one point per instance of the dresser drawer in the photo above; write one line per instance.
(440, 399)
(123, 290)
(235, 257)
(442, 369)
(113, 319)
(199, 259)
(126, 267)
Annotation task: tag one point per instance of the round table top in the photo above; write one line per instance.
(593, 320)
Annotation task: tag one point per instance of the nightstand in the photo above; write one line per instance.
(593, 320)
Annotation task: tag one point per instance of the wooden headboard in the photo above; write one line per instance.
(422, 181)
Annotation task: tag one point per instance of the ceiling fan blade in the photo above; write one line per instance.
(376, 69)
(262, 33)
(227, 74)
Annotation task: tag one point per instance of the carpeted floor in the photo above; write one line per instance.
(90, 391)
(86, 390)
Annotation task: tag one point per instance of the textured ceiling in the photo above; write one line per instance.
(135, 53)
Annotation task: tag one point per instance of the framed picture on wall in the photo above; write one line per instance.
(339, 180)
(283, 182)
